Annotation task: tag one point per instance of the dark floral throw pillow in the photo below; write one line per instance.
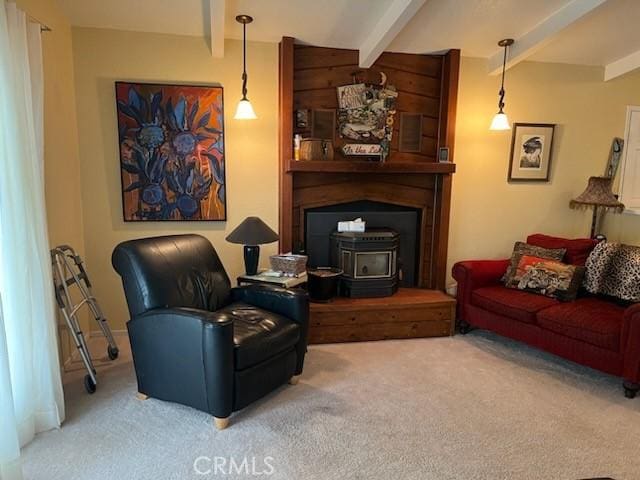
(521, 248)
(548, 277)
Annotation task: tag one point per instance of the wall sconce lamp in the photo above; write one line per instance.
(500, 120)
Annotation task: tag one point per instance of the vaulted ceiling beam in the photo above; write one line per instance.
(217, 16)
(622, 66)
(541, 34)
(388, 27)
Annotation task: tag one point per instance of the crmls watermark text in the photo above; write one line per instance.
(250, 466)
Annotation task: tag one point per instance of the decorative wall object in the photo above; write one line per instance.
(362, 149)
(302, 119)
(316, 149)
(171, 152)
(614, 157)
(531, 149)
(366, 113)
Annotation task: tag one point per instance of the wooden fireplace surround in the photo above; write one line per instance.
(427, 85)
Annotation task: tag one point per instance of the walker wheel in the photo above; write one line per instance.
(89, 385)
(112, 352)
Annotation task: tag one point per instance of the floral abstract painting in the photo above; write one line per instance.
(172, 159)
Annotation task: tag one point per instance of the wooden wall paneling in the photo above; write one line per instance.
(409, 136)
(305, 179)
(427, 85)
(422, 64)
(318, 71)
(430, 127)
(332, 77)
(307, 57)
(420, 166)
(285, 214)
(409, 313)
(323, 124)
(450, 72)
(410, 102)
(322, 195)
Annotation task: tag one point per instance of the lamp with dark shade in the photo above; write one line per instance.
(251, 233)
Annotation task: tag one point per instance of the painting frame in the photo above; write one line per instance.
(203, 130)
(531, 152)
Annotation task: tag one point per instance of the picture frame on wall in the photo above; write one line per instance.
(172, 152)
(531, 152)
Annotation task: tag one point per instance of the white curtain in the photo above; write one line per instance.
(31, 398)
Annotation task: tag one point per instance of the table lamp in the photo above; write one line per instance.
(598, 194)
(251, 233)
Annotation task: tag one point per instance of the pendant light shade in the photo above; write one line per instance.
(500, 120)
(245, 109)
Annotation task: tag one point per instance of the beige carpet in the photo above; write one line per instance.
(474, 407)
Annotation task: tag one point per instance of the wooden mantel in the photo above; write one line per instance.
(355, 166)
(427, 85)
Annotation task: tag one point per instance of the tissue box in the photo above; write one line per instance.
(351, 226)
(289, 264)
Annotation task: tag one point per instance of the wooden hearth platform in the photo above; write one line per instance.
(410, 313)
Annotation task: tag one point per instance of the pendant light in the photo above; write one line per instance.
(500, 120)
(245, 109)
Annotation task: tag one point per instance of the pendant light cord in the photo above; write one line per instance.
(244, 61)
(504, 64)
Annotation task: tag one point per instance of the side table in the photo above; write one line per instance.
(284, 282)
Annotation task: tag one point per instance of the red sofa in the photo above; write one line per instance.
(591, 331)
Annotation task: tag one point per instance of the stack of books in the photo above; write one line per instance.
(275, 278)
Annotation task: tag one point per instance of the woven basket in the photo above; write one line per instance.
(289, 264)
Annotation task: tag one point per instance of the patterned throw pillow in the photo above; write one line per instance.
(548, 277)
(521, 248)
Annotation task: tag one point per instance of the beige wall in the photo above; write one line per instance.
(103, 56)
(489, 214)
(62, 167)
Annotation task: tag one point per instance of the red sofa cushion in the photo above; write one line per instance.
(578, 249)
(590, 320)
(515, 304)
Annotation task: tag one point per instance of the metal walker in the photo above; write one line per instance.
(68, 270)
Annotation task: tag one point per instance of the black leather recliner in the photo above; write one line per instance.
(199, 342)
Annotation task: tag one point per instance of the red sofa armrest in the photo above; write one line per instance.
(473, 274)
(630, 346)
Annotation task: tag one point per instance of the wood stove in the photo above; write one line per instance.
(369, 261)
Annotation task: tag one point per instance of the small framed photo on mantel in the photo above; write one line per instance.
(531, 151)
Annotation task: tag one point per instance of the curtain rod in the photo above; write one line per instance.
(43, 26)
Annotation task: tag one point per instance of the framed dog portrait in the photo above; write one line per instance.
(531, 151)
